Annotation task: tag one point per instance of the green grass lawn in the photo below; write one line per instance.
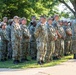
(33, 64)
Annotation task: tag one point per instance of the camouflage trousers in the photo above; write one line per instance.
(41, 51)
(74, 46)
(61, 52)
(50, 50)
(68, 47)
(16, 46)
(0, 49)
(33, 49)
(57, 48)
(3, 50)
(24, 50)
(10, 49)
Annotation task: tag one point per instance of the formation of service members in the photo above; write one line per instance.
(44, 40)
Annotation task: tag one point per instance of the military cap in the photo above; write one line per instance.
(16, 17)
(4, 17)
(50, 18)
(23, 18)
(10, 20)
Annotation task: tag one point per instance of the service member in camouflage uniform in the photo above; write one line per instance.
(4, 41)
(33, 45)
(5, 20)
(16, 40)
(57, 42)
(51, 37)
(74, 39)
(68, 38)
(25, 40)
(33, 18)
(63, 34)
(9, 36)
(40, 34)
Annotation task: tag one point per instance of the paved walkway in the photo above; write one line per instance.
(66, 68)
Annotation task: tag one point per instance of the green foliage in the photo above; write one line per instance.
(26, 8)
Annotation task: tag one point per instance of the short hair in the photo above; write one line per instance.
(50, 18)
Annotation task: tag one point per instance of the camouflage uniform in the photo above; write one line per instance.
(33, 45)
(4, 41)
(68, 41)
(9, 44)
(40, 38)
(51, 34)
(24, 42)
(63, 34)
(57, 42)
(16, 41)
(74, 39)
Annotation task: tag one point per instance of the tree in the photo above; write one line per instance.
(26, 8)
(73, 3)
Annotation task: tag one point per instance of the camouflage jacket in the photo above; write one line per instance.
(8, 29)
(25, 33)
(3, 34)
(15, 32)
(67, 36)
(62, 32)
(40, 32)
(51, 33)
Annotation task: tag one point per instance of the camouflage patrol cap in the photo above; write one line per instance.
(16, 17)
(23, 18)
(4, 18)
(10, 20)
(50, 18)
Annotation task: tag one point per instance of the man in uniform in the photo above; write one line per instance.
(74, 39)
(62, 32)
(16, 40)
(57, 42)
(51, 37)
(5, 19)
(40, 34)
(25, 40)
(10, 21)
(32, 20)
(68, 38)
(33, 45)
(4, 41)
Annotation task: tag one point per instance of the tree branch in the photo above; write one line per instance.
(62, 1)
